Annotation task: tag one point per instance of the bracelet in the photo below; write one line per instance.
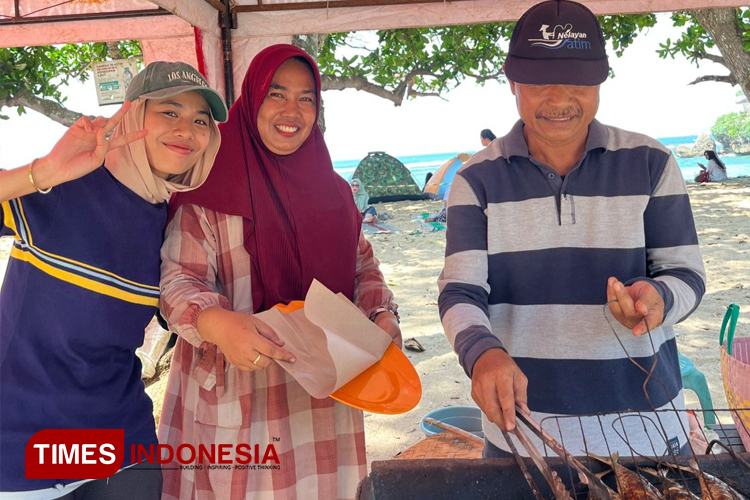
(385, 309)
(31, 179)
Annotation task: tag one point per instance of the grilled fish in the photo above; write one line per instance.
(671, 488)
(630, 486)
(712, 488)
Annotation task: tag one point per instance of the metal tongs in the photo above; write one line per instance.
(597, 489)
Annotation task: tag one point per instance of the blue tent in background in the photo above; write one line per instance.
(443, 176)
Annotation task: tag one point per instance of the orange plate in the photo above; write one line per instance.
(390, 386)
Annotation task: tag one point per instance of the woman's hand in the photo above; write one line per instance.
(246, 342)
(82, 149)
(388, 322)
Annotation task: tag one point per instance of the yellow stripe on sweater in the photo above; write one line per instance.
(76, 263)
(82, 282)
(8, 220)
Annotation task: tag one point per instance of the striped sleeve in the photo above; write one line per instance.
(189, 272)
(675, 264)
(463, 283)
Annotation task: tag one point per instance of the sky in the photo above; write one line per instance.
(648, 95)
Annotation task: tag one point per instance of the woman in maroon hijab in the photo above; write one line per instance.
(272, 216)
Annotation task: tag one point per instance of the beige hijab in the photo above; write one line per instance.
(129, 164)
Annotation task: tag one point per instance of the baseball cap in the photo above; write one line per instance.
(557, 42)
(162, 79)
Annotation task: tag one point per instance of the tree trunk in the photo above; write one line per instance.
(51, 109)
(113, 49)
(311, 44)
(722, 25)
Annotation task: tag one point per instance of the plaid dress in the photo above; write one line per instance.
(320, 443)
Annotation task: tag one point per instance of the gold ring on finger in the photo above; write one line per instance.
(257, 359)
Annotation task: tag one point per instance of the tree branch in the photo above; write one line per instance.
(396, 95)
(715, 78)
(709, 57)
(426, 94)
(83, 70)
(406, 87)
(411, 77)
(361, 83)
(494, 76)
(358, 47)
(60, 114)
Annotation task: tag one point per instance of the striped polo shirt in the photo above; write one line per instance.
(81, 285)
(528, 255)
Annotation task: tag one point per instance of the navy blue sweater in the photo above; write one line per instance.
(81, 285)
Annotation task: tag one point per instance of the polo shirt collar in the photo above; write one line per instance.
(514, 143)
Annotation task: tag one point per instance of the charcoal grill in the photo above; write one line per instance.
(501, 478)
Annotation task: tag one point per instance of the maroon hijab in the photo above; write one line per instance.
(299, 218)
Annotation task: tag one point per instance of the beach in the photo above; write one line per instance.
(412, 258)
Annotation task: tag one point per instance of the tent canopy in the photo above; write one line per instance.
(441, 180)
(191, 30)
(386, 179)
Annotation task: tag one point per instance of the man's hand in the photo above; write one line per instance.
(387, 321)
(497, 386)
(247, 342)
(635, 306)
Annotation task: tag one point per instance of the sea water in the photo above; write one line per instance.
(421, 165)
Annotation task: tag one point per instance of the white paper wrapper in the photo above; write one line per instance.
(332, 339)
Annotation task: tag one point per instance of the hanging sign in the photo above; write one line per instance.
(112, 79)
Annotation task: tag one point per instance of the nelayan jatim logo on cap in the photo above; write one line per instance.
(561, 37)
(557, 42)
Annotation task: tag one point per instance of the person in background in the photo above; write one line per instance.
(486, 136)
(441, 216)
(272, 217)
(571, 249)
(715, 171)
(362, 200)
(83, 278)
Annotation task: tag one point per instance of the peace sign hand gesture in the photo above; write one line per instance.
(82, 149)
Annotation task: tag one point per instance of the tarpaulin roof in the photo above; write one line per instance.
(166, 27)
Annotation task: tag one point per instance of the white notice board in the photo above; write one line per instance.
(112, 79)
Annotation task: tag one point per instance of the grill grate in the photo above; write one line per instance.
(726, 458)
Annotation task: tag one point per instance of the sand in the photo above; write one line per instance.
(412, 262)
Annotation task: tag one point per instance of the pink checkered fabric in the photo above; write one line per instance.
(320, 443)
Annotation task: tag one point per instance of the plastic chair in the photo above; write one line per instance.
(693, 379)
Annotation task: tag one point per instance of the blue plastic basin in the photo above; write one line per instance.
(468, 418)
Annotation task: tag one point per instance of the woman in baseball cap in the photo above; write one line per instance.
(82, 282)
